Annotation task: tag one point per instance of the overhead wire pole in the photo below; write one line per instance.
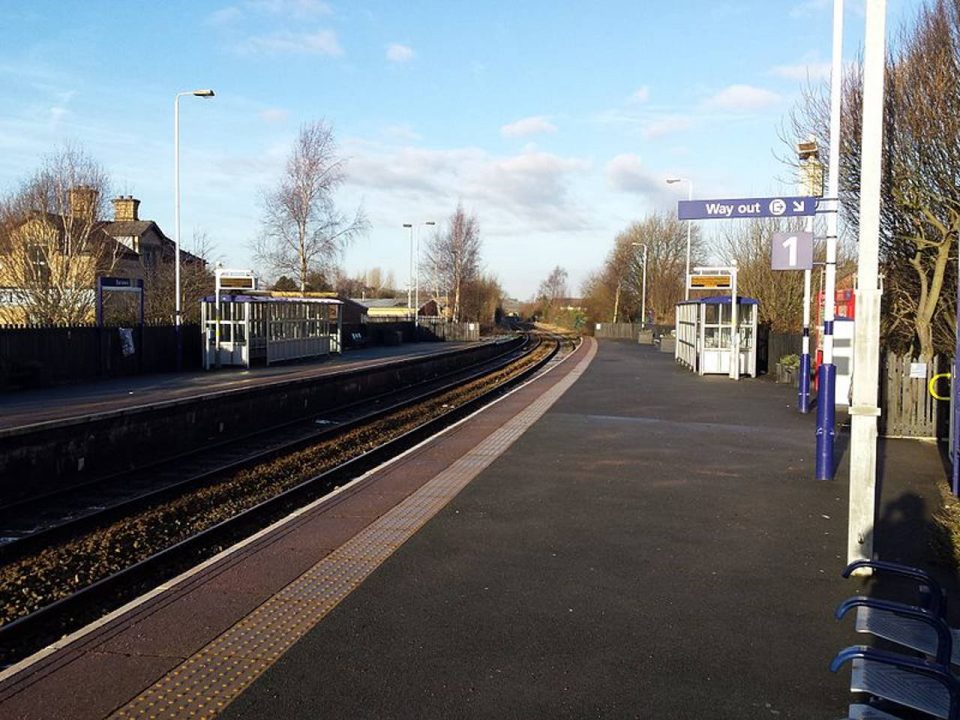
(866, 355)
(827, 374)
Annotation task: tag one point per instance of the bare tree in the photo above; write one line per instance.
(551, 293)
(196, 280)
(303, 231)
(481, 298)
(51, 247)
(920, 208)
(749, 243)
(666, 239)
(452, 257)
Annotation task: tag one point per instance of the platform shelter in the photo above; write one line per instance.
(244, 326)
(705, 335)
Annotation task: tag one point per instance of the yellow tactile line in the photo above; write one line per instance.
(205, 683)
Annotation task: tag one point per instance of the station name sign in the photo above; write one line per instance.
(746, 208)
(710, 281)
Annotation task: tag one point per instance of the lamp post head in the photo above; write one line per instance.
(672, 180)
(408, 225)
(203, 93)
(429, 222)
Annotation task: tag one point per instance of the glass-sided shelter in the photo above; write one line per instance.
(245, 326)
(705, 335)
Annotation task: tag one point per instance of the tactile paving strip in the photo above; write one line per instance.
(205, 683)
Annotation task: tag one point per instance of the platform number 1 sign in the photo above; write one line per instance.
(792, 251)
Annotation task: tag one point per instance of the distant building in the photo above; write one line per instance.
(48, 259)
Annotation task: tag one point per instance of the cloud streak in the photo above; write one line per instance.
(739, 98)
(284, 42)
(397, 53)
(528, 126)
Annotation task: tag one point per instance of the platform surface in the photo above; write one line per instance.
(653, 546)
(27, 407)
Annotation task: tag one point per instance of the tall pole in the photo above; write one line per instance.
(177, 315)
(643, 292)
(827, 374)
(416, 292)
(803, 391)
(176, 229)
(410, 268)
(866, 344)
(686, 277)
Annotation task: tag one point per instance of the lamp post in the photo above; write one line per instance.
(686, 275)
(643, 286)
(177, 319)
(416, 291)
(409, 227)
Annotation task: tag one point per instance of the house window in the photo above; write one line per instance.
(37, 262)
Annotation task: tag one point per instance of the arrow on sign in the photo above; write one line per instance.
(798, 206)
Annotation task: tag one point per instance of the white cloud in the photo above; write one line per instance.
(809, 7)
(666, 125)
(291, 8)
(322, 42)
(626, 173)
(398, 53)
(803, 71)
(400, 133)
(528, 126)
(274, 115)
(529, 188)
(741, 97)
(640, 95)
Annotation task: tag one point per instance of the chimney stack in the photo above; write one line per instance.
(126, 209)
(83, 202)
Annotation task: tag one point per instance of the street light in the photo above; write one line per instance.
(176, 212)
(409, 226)
(686, 276)
(416, 312)
(643, 291)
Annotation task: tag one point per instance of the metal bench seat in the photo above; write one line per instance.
(920, 627)
(905, 681)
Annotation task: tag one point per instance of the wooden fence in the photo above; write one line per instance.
(907, 408)
(41, 356)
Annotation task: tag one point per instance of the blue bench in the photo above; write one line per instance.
(893, 680)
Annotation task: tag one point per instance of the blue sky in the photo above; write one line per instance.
(555, 122)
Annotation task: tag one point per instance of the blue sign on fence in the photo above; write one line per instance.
(746, 208)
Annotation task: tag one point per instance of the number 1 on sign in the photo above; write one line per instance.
(790, 244)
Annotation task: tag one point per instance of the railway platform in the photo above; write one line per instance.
(616, 539)
(43, 405)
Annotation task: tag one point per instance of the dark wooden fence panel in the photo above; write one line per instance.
(43, 356)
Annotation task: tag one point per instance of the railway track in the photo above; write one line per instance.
(105, 547)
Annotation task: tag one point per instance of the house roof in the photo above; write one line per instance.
(130, 228)
(381, 302)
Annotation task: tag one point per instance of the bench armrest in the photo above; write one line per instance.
(944, 648)
(930, 589)
(914, 665)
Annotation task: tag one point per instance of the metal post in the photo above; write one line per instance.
(410, 268)
(686, 278)
(643, 292)
(866, 361)
(734, 330)
(803, 391)
(176, 230)
(827, 374)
